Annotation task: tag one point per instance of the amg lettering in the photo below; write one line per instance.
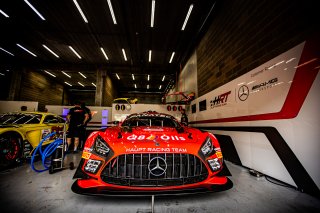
(267, 83)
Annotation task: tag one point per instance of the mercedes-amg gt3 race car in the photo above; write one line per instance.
(21, 133)
(150, 153)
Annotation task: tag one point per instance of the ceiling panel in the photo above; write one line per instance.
(63, 27)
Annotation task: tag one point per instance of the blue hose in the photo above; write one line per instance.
(46, 153)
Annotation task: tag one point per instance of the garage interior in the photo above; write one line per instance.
(58, 55)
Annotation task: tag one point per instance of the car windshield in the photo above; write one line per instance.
(160, 121)
(20, 118)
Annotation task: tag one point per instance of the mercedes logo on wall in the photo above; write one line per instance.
(243, 93)
(157, 166)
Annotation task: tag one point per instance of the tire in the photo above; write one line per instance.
(10, 149)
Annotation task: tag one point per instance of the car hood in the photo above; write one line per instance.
(153, 140)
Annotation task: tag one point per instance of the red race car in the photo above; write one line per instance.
(150, 153)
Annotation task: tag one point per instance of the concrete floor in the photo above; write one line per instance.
(23, 190)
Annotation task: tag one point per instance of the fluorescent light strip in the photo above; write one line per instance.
(111, 11)
(132, 76)
(187, 17)
(35, 10)
(50, 73)
(163, 78)
(104, 53)
(124, 54)
(117, 76)
(94, 85)
(160, 86)
(66, 74)
(172, 55)
(152, 12)
(150, 53)
(4, 14)
(75, 52)
(135, 86)
(68, 84)
(80, 11)
(6, 51)
(148, 77)
(25, 49)
(82, 75)
(80, 83)
(53, 53)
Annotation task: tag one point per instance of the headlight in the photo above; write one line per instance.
(92, 166)
(214, 164)
(101, 147)
(207, 147)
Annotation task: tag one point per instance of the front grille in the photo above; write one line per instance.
(151, 170)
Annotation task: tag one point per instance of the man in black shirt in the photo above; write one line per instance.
(77, 118)
(184, 117)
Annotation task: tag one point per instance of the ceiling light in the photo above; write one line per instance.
(132, 76)
(3, 13)
(68, 84)
(117, 76)
(172, 55)
(135, 86)
(124, 54)
(104, 53)
(152, 12)
(25, 49)
(148, 77)
(80, 83)
(160, 86)
(66, 74)
(80, 11)
(82, 75)
(94, 85)
(53, 53)
(148, 86)
(50, 73)
(150, 53)
(75, 52)
(187, 17)
(35, 10)
(111, 11)
(2, 74)
(6, 51)
(163, 78)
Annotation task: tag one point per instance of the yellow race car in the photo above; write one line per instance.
(21, 132)
(125, 101)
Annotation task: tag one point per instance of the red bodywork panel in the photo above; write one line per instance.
(152, 149)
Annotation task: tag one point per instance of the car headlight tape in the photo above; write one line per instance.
(214, 164)
(101, 147)
(92, 166)
(207, 147)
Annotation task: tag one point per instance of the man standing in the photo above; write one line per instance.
(77, 118)
(184, 117)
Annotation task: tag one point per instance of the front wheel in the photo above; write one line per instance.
(10, 149)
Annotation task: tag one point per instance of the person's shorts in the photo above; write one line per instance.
(74, 132)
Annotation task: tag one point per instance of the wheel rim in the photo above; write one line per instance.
(10, 148)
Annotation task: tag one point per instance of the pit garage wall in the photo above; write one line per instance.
(271, 115)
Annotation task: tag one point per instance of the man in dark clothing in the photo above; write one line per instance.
(83, 135)
(184, 117)
(77, 118)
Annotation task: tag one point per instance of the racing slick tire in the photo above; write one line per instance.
(10, 149)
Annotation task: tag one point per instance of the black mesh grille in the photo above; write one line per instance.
(164, 170)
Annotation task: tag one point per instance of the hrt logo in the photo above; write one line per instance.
(220, 100)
